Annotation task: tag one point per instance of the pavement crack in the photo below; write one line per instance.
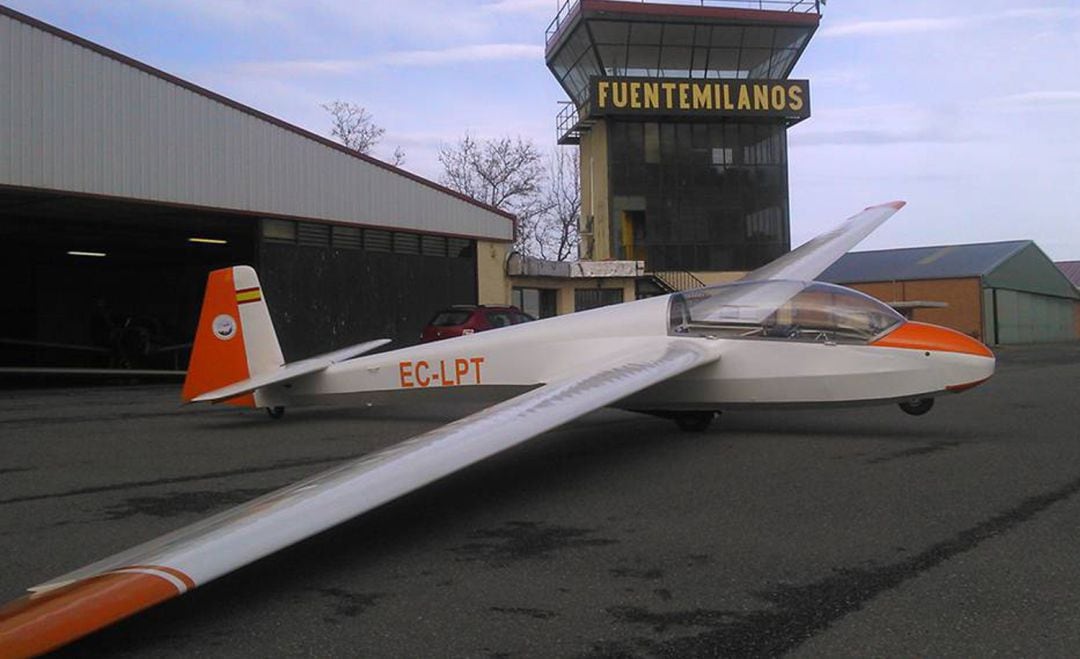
(287, 464)
(913, 452)
(538, 614)
(16, 470)
(800, 612)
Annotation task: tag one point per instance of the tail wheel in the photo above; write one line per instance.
(275, 412)
(917, 406)
(693, 421)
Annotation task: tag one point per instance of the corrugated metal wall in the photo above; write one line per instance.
(1028, 318)
(75, 120)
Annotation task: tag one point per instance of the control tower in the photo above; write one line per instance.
(681, 113)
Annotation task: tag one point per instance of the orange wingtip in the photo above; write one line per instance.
(41, 622)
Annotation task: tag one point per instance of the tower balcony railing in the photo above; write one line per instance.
(568, 124)
(568, 8)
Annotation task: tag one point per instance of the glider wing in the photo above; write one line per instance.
(812, 258)
(83, 601)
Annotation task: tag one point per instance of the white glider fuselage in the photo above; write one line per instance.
(812, 369)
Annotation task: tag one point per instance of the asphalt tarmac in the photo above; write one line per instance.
(855, 532)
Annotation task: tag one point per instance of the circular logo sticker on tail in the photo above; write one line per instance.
(224, 327)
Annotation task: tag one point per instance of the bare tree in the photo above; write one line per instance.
(544, 193)
(398, 158)
(502, 172)
(353, 126)
(559, 235)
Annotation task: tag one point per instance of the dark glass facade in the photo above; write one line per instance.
(698, 196)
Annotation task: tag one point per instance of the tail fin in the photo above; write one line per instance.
(235, 339)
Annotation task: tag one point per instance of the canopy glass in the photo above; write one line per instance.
(779, 309)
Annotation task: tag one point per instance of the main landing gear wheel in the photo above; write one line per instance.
(693, 421)
(917, 406)
(275, 412)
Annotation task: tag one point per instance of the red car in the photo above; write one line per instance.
(469, 319)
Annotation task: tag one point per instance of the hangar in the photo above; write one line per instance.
(122, 185)
(1000, 293)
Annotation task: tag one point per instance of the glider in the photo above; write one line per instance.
(775, 337)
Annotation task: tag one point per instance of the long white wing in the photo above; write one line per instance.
(289, 372)
(813, 257)
(78, 603)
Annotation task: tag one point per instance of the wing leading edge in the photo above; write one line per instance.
(95, 596)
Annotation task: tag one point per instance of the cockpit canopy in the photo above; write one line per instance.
(780, 309)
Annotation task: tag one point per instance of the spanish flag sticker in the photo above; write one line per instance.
(248, 295)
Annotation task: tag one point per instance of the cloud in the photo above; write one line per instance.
(243, 13)
(472, 53)
(491, 52)
(523, 6)
(1042, 12)
(838, 76)
(884, 124)
(894, 27)
(902, 26)
(1040, 99)
(864, 137)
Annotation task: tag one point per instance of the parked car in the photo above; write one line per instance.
(469, 319)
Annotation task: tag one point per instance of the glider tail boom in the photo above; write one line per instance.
(235, 339)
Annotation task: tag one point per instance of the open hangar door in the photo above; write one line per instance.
(100, 283)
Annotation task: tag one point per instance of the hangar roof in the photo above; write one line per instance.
(940, 262)
(1071, 270)
(80, 118)
(1016, 265)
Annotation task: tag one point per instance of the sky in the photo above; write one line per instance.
(967, 110)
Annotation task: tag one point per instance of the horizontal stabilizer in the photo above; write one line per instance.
(289, 372)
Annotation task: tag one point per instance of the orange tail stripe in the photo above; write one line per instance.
(41, 622)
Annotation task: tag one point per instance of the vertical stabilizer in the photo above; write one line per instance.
(235, 339)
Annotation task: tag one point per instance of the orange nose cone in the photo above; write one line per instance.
(932, 338)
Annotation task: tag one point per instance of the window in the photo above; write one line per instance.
(652, 143)
(536, 302)
(313, 234)
(377, 240)
(406, 243)
(499, 318)
(279, 231)
(591, 298)
(451, 318)
(722, 156)
(433, 245)
(765, 225)
(702, 191)
(346, 237)
(460, 248)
